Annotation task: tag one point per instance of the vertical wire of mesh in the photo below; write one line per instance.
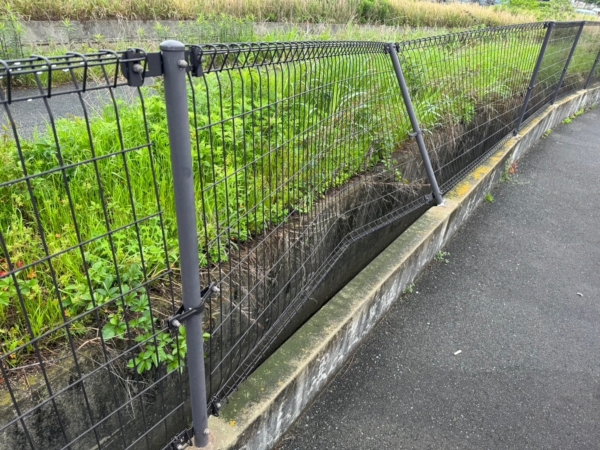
(468, 89)
(86, 260)
(301, 151)
(556, 56)
(583, 60)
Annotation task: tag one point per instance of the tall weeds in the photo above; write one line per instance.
(391, 12)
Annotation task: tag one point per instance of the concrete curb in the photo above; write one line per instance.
(273, 397)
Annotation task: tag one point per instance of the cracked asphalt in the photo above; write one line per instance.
(519, 298)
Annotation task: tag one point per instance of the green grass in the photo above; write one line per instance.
(391, 12)
(234, 163)
(443, 257)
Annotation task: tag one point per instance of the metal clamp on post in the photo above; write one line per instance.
(138, 65)
(182, 314)
(215, 405)
(182, 440)
(195, 55)
(133, 66)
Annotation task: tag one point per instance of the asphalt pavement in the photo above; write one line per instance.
(33, 116)
(499, 348)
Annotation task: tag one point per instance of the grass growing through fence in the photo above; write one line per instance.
(240, 197)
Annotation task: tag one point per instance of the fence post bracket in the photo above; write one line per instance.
(182, 314)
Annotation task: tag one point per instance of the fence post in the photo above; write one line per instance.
(536, 70)
(415, 124)
(591, 75)
(174, 68)
(571, 53)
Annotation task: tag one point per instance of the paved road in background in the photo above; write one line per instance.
(32, 116)
(520, 298)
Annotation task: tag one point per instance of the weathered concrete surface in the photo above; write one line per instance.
(117, 410)
(277, 393)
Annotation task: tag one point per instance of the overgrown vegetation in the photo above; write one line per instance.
(203, 29)
(543, 10)
(11, 33)
(570, 119)
(392, 12)
(119, 266)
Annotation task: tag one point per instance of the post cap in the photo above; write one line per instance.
(172, 46)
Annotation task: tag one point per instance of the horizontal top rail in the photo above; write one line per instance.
(452, 37)
(570, 24)
(45, 66)
(221, 57)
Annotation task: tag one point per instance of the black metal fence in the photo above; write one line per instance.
(299, 169)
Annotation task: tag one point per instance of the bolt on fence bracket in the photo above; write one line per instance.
(195, 56)
(182, 314)
(215, 405)
(133, 66)
(137, 65)
(182, 440)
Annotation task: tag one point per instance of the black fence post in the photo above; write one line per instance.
(536, 71)
(591, 75)
(437, 195)
(175, 69)
(571, 53)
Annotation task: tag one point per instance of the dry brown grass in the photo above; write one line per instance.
(401, 12)
(426, 14)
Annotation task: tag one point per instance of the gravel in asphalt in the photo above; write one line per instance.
(519, 298)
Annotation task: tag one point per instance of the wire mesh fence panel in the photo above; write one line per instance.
(468, 89)
(554, 61)
(86, 255)
(304, 170)
(586, 52)
(301, 151)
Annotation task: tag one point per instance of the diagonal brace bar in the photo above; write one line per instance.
(566, 68)
(415, 124)
(591, 75)
(536, 71)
